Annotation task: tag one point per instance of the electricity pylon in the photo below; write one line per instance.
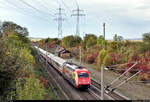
(78, 14)
(60, 20)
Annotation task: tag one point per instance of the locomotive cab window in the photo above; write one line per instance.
(83, 75)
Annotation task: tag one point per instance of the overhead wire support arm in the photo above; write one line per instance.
(121, 75)
(125, 81)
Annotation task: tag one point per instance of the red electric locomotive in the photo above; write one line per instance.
(76, 75)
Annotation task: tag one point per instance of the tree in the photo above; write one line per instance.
(115, 37)
(0, 29)
(89, 40)
(101, 57)
(71, 41)
(12, 28)
(31, 90)
(50, 40)
(145, 46)
(14, 58)
(107, 60)
(11, 64)
(100, 40)
(118, 38)
(113, 46)
(146, 38)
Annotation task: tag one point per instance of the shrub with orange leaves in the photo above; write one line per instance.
(46, 97)
(44, 82)
(92, 58)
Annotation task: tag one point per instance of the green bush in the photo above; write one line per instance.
(29, 89)
(71, 41)
(113, 46)
(107, 60)
(89, 41)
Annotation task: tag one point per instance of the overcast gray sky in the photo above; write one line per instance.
(127, 18)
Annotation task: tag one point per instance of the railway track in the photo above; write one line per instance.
(53, 84)
(74, 94)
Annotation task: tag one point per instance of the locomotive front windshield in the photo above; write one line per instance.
(83, 75)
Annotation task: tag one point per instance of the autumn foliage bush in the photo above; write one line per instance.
(116, 58)
(44, 82)
(143, 66)
(46, 97)
(92, 58)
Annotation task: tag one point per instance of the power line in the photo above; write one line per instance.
(57, 2)
(42, 3)
(66, 6)
(13, 5)
(78, 14)
(77, 3)
(34, 8)
(60, 20)
(69, 11)
(19, 10)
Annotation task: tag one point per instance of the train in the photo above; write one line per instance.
(77, 75)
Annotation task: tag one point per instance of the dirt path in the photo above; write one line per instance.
(132, 90)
